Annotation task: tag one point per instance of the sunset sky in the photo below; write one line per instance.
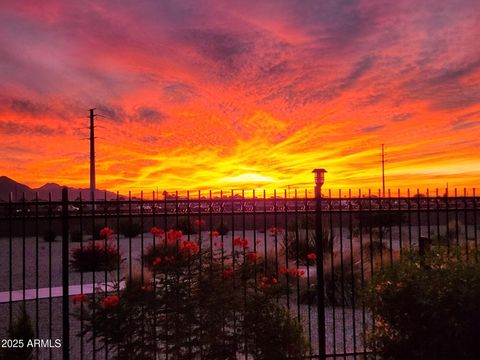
(241, 94)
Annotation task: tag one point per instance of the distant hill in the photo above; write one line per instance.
(18, 190)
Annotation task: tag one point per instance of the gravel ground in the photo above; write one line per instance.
(48, 270)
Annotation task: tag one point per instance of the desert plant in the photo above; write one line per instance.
(303, 245)
(130, 229)
(49, 235)
(379, 223)
(374, 248)
(426, 308)
(222, 229)
(21, 330)
(342, 286)
(76, 236)
(186, 226)
(95, 256)
(307, 222)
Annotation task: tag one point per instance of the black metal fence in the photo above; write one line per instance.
(351, 235)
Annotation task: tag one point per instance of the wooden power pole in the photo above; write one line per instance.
(92, 153)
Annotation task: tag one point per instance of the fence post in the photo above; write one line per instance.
(65, 279)
(319, 263)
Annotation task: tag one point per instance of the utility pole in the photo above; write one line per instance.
(92, 154)
(383, 171)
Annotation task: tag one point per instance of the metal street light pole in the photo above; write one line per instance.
(319, 181)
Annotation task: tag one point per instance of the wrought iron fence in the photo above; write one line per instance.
(335, 242)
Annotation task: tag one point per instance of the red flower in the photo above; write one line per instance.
(266, 282)
(106, 232)
(215, 234)
(174, 235)
(227, 273)
(156, 231)
(292, 272)
(218, 243)
(189, 247)
(147, 287)
(79, 298)
(156, 261)
(240, 242)
(252, 257)
(274, 230)
(312, 256)
(111, 301)
(198, 223)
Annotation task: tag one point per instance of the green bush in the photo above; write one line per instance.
(94, 229)
(20, 329)
(76, 236)
(380, 223)
(186, 226)
(222, 229)
(426, 308)
(49, 235)
(340, 290)
(130, 229)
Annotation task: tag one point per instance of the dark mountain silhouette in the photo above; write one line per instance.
(9, 186)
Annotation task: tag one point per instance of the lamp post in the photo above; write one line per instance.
(319, 181)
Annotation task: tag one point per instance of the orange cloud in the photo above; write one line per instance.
(200, 96)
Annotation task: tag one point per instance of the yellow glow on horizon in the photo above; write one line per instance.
(248, 178)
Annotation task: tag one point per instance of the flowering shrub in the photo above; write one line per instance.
(105, 233)
(110, 301)
(274, 230)
(156, 231)
(96, 255)
(253, 257)
(79, 298)
(197, 302)
(426, 308)
(170, 252)
(199, 223)
(292, 273)
(241, 243)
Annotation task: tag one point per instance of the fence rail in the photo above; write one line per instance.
(351, 237)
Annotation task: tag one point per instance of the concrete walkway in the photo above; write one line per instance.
(53, 292)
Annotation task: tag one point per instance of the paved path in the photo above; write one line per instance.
(53, 292)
